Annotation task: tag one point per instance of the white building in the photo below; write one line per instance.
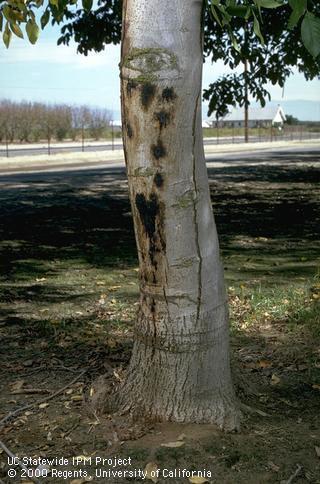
(270, 115)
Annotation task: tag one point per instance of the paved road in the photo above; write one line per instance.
(309, 155)
(107, 146)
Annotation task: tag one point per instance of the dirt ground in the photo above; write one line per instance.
(68, 297)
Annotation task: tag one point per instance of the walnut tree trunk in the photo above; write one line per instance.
(179, 368)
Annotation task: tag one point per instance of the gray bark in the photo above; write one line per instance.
(179, 368)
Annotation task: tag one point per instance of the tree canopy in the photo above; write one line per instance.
(271, 36)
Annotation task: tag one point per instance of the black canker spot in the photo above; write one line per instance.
(163, 118)
(168, 94)
(147, 94)
(129, 130)
(148, 211)
(153, 306)
(158, 180)
(150, 216)
(158, 150)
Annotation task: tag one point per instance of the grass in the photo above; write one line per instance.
(295, 305)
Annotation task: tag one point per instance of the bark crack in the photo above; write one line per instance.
(195, 211)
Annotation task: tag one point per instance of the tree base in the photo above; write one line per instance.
(170, 387)
(223, 412)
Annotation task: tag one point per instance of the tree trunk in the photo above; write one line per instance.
(179, 368)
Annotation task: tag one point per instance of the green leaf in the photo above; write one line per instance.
(7, 34)
(215, 15)
(45, 19)
(32, 30)
(7, 12)
(298, 9)
(249, 13)
(237, 10)
(55, 3)
(234, 42)
(16, 30)
(310, 33)
(225, 16)
(268, 3)
(256, 28)
(87, 5)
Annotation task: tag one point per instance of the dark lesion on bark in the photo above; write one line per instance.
(163, 118)
(148, 211)
(147, 94)
(151, 214)
(168, 94)
(158, 150)
(129, 130)
(158, 180)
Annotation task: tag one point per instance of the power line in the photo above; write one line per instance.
(54, 88)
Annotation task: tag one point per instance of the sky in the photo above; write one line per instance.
(57, 74)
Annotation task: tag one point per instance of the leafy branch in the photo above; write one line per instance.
(252, 11)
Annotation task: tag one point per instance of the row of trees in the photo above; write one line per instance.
(32, 121)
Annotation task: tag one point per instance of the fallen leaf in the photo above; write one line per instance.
(317, 449)
(17, 385)
(117, 376)
(44, 405)
(273, 466)
(275, 380)
(173, 445)
(198, 480)
(151, 471)
(316, 386)
(264, 364)
(182, 437)
(41, 279)
(111, 343)
(77, 398)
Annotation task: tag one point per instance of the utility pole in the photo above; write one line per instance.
(246, 103)
(7, 144)
(246, 93)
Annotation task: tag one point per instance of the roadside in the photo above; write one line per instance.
(100, 158)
